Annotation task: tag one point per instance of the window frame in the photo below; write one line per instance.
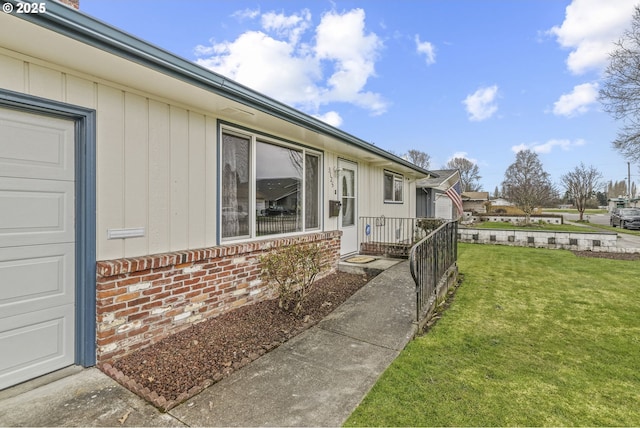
(254, 138)
(395, 178)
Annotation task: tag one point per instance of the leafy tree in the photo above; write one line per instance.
(526, 184)
(418, 158)
(469, 175)
(601, 198)
(581, 185)
(620, 91)
(496, 193)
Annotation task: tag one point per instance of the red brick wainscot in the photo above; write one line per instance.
(144, 299)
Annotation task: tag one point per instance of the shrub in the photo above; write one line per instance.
(291, 271)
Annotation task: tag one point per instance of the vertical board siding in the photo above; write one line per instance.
(45, 82)
(80, 92)
(197, 171)
(109, 170)
(211, 180)
(179, 171)
(12, 74)
(159, 178)
(136, 171)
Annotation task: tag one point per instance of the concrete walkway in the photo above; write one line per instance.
(316, 379)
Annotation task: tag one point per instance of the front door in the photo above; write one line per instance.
(348, 190)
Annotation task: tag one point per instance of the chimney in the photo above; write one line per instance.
(73, 3)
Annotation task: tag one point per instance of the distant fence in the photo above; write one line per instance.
(433, 264)
(393, 236)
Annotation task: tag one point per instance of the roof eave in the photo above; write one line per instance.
(86, 29)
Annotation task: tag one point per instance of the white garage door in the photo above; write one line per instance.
(37, 273)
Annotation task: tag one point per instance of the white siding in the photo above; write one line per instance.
(159, 178)
(157, 165)
(156, 162)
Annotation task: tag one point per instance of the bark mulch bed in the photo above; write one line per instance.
(180, 366)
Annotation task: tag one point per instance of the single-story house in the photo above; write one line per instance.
(501, 202)
(475, 201)
(133, 183)
(622, 203)
(439, 196)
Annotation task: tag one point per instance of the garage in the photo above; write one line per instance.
(37, 245)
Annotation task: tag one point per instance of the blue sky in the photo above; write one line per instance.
(479, 79)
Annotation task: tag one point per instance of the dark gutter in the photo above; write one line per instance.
(91, 31)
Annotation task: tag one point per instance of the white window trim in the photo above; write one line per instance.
(254, 137)
(396, 178)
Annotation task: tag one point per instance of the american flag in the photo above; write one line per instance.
(453, 193)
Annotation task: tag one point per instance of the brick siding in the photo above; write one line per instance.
(144, 299)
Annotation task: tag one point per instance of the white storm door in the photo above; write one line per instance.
(37, 245)
(348, 219)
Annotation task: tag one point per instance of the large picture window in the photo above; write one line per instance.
(267, 187)
(393, 187)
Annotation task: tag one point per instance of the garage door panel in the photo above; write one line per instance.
(37, 245)
(34, 146)
(35, 212)
(35, 344)
(34, 278)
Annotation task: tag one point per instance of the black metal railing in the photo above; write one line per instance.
(271, 225)
(431, 261)
(393, 236)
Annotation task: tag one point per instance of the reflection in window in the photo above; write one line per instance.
(393, 187)
(348, 197)
(312, 191)
(278, 191)
(235, 186)
(267, 188)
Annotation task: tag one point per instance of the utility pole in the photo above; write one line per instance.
(629, 180)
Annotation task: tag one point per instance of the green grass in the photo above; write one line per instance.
(533, 337)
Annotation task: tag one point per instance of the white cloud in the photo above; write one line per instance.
(578, 101)
(563, 144)
(463, 155)
(341, 40)
(287, 61)
(291, 27)
(589, 29)
(246, 14)
(333, 118)
(427, 49)
(481, 104)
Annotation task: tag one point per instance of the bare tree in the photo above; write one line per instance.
(418, 158)
(581, 185)
(617, 189)
(620, 91)
(526, 184)
(469, 175)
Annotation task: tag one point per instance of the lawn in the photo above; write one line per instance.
(533, 337)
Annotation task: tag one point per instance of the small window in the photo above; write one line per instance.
(393, 187)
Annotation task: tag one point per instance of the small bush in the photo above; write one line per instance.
(291, 271)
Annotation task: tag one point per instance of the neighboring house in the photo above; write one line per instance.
(500, 202)
(475, 201)
(439, 197)
(622, 203)
(133, 184)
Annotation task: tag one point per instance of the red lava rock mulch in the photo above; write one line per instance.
(180, 366)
